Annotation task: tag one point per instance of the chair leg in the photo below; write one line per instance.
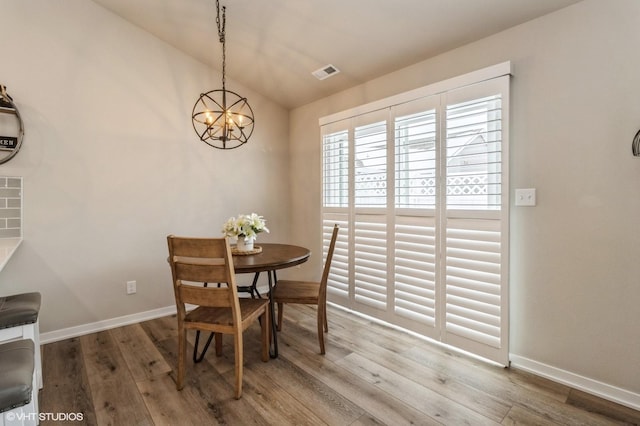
(239, 350)
(182, 356)
(218, 344)
(38, 354)
(321, 329)
(34, 387)
(280, 307)
(266, 334)
(324, 314)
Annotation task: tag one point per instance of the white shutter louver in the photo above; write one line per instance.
(473, 154)
(335, 179)
(371, 165)
(415, 269)
(370, 263)
(338, 282)
(415, 143)
(473, 280)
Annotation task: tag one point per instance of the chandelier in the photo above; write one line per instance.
(222, 119)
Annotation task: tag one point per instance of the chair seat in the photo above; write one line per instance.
(19, 309)
(250, 309)
(304, 292)
(16, 374)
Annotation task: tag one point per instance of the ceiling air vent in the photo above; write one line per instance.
(325, 72)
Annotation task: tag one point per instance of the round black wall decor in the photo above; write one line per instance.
(11, 127)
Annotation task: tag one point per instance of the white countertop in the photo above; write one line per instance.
(7, 247)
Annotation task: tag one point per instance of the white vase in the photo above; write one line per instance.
(245, 244)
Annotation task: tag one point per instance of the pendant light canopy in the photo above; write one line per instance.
(222, 119)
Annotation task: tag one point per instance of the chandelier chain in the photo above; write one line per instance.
(221, 36)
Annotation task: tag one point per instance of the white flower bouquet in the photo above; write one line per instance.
(245, 226)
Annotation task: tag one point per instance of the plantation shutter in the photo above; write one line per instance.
(370, 200)
(418, 185)
(477, 219)
(415, 248)
(335, 201)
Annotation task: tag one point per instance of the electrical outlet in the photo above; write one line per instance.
(526, 197)
(131, 287)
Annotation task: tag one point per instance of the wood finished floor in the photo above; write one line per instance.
(370, 375)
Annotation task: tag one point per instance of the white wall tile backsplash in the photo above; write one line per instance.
(10, 207)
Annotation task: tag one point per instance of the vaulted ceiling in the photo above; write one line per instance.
(273, 46)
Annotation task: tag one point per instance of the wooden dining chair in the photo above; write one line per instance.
(195, 261)
(308, 293)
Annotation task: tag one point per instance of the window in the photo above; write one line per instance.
(335, 179)
(415, 145)
(473, 154)
(416, 183)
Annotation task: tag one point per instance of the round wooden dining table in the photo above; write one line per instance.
(272, 258)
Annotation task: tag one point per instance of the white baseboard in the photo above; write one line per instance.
(586, 384)
(94, 327)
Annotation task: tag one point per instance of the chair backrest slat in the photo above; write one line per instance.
(197, 247)
(205, 296)
(210, 272)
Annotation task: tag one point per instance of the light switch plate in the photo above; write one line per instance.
(526, 197)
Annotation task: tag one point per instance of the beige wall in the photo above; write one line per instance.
(111, 163)
(575, 274)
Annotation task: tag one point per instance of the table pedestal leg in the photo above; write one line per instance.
(253, 288)
(273, 351)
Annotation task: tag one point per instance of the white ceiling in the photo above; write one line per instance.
(274, 45)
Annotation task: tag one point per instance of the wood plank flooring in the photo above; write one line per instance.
(371, 375)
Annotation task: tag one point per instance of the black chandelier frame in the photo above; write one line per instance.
(222, 118)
